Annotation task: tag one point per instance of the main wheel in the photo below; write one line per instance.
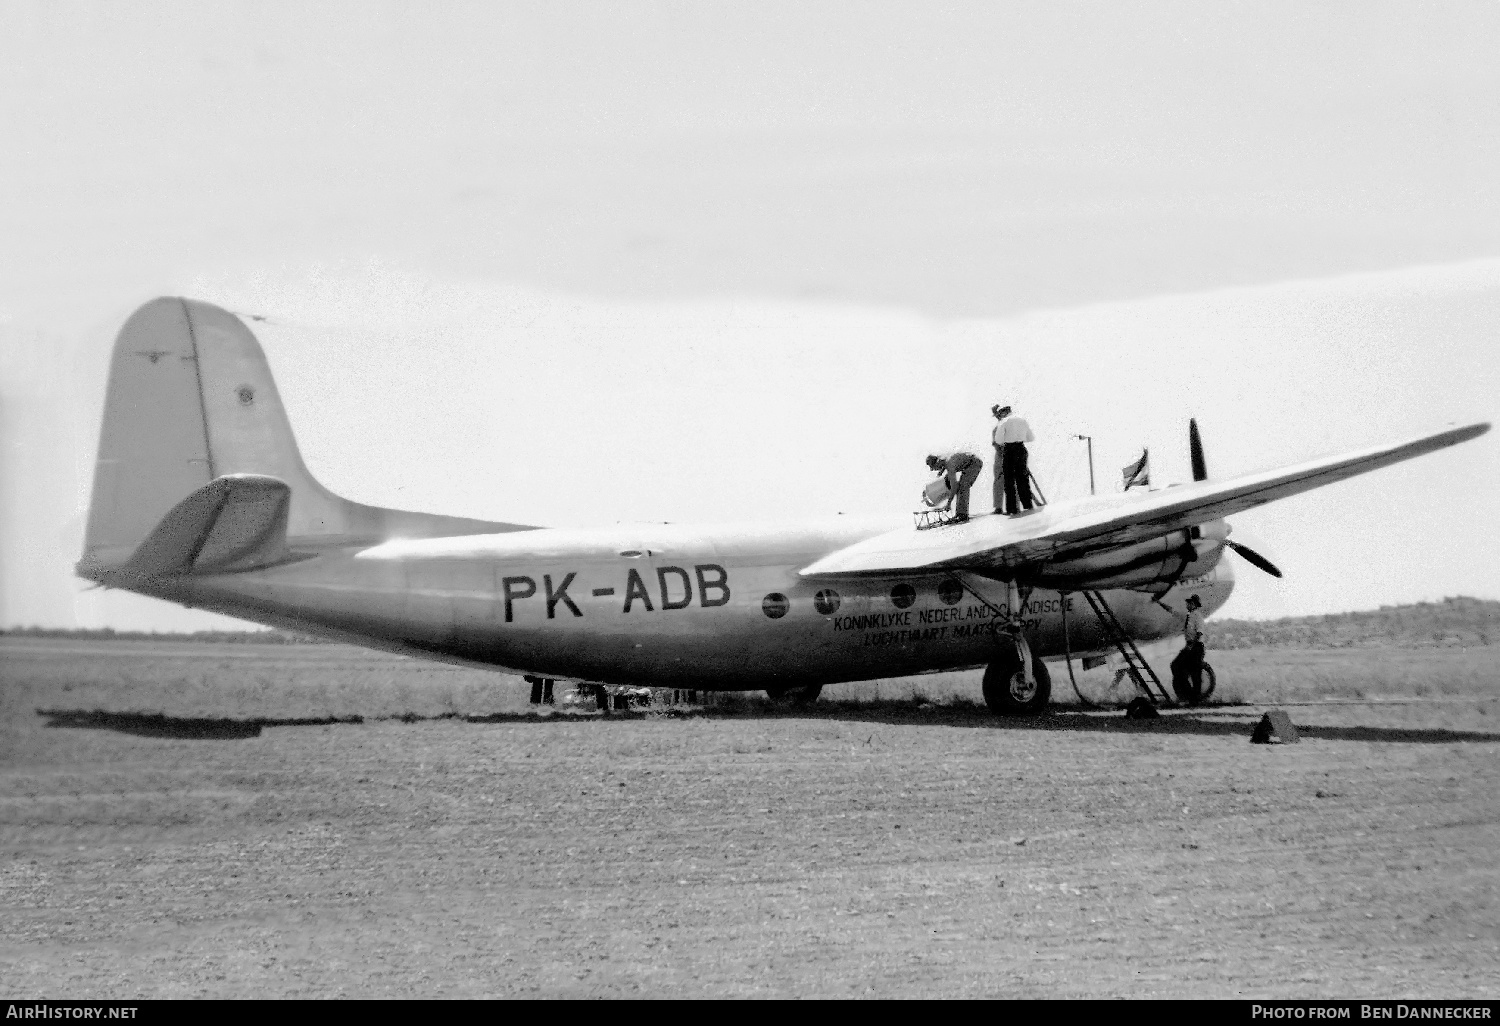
(794, 696)
(1006, 691)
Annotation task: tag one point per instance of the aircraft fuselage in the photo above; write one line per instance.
(712, 608)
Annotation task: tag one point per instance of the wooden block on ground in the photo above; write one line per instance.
(1275, 728)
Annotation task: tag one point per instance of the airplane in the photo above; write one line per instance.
(201, 498)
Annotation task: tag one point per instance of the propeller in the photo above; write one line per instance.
(1195, 447)
(1200, 473)
(1254, 558)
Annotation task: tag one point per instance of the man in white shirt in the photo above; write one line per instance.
(1187, 668)
(1012, 475)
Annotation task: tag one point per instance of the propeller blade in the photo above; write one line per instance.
(1254, 558)
(1195, 447)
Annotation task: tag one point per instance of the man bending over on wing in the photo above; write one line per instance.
(960, 470)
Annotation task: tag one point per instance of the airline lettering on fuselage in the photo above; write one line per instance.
(674, 583)
(864, 621)
(713, 587)
(676, 588)
(662, 573)
(511, 595)
(720, 585)
(560, 595)
(635, 588)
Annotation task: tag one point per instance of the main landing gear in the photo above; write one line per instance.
(1016, 683)
(1009, 689)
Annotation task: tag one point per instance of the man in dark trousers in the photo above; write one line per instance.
(1011, 471)
(1187, 668)
(961, 470)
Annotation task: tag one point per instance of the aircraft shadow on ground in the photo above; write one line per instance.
(144, 724)
(1209, 722)
(177, 727)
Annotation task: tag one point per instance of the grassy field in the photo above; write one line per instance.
(895, 839)
(335, 681)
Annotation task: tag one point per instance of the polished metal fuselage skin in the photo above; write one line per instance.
(711, 608)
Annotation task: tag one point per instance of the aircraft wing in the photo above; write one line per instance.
(995, 542)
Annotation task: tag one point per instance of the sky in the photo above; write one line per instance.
(587, 263)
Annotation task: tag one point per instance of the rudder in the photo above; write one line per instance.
(153, 445)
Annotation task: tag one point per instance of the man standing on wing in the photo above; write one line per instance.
(1011, 471)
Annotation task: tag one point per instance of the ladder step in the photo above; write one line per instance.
(1139, 669)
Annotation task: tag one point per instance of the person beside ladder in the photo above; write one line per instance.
(1187, 668)
(1011, 471)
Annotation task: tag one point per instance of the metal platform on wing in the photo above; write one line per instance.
(927, 519)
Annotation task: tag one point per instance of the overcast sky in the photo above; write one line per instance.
(728, 260)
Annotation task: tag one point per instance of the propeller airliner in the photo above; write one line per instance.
(201, 498)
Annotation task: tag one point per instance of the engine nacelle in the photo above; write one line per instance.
(1163, 561)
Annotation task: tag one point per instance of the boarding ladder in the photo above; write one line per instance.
(1135, 664)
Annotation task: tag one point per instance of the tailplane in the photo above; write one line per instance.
(190, 405)
(233, 523)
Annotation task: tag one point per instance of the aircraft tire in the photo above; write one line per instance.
(794, 696)
(1209, 683)
(1007, 694)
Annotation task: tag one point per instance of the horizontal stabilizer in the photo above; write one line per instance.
(1005, 545)
(233, 523)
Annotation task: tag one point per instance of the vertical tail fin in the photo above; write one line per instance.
(190, 400)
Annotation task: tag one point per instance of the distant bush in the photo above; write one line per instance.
(1451, 623)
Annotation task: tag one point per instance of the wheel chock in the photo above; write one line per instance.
(1141, 709)
(1275, 728)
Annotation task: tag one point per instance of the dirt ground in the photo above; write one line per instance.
(896, 847)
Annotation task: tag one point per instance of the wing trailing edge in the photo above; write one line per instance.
(1008, 545)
